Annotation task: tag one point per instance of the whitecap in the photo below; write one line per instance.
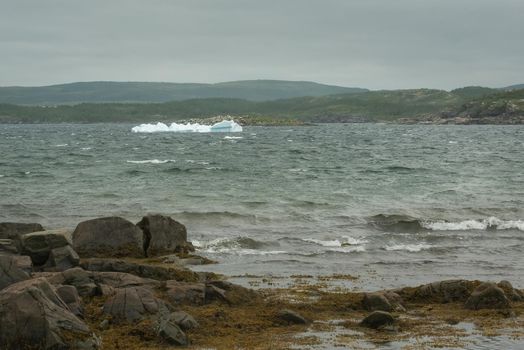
(409, 247)
(233, 137)
(61, 145)
(482, 224)
(349, 249)
(86, 148)
(328, 243)
(151, 161)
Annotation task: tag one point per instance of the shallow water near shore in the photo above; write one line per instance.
(281, 201)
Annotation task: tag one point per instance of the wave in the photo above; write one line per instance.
(236, 245)
(219, 215)
(223, 126)
(395, 223)
(408, 224)
(412, 248)
(348, 241)
(151, 161)
(491, 223)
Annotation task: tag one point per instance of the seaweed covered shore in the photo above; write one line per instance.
(113, 284)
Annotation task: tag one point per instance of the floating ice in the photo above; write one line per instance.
(223, 126)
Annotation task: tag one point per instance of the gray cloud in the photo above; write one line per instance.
(367, 43)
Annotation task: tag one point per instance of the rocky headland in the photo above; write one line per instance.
(113, 284)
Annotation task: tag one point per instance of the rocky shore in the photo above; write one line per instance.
(113, 284)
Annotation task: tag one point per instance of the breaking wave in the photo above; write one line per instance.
(407, 224)
(491, 223)
(151, 161)
(236, 245)
(412, 248)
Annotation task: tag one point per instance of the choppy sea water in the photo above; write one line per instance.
(396, 205)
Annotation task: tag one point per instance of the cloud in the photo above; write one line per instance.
(369, 43)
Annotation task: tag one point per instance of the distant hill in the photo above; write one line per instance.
(471, 105)
(146, 92)
(514, 87)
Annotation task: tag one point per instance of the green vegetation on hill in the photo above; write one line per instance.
(398, 105)
(144, 92)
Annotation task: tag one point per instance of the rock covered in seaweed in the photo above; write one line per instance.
(487, 296)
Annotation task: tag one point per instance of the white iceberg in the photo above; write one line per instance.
(223, 126)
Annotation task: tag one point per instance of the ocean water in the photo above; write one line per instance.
(395, 205)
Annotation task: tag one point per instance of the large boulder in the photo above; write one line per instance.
(38, 245)
(10, 272)
(163, 235)
(33, 316)
(487, 296)
(133, 304)
(11, 230)
(108, 237)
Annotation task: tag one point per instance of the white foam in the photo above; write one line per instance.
(349, 249)
(333, 243)
(233, 137)
(61, 145)
(409, 247)
(347, 241)
(151, 161)
(86, 148)
(483, 224)
(223, 126)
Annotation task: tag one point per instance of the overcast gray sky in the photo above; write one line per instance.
(378, 44)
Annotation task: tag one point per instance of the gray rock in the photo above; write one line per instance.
(23, 262)
(376, 301)
(104, 325)
(8, 246)
(10, 272)
(70, 296)
(185, 293)
(163, 235)
(133, 304)
(487, 296)
(32, 315)
(512, 293)
(171, 332)
(378, 319)
(157, 272)
(291, 317)
(11, 230)
(441, 291)
(38, 245)
(108, 237)
(184, 320)
(63, 258)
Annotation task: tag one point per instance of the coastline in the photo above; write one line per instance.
(127, 301)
